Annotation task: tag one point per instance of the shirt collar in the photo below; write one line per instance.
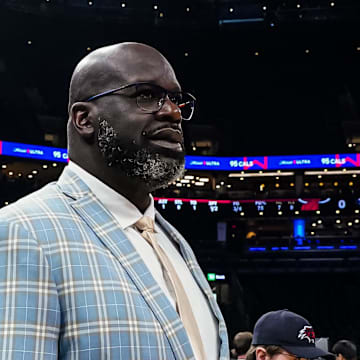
(124, 211)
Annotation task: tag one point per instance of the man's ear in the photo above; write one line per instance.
(260, 353)
(82, 119)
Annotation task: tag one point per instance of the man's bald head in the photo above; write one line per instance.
(110, 67)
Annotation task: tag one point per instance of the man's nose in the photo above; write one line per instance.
(169, 111)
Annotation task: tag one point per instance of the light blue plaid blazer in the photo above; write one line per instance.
(73, 287)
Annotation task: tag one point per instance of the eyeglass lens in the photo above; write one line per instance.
(151, 98)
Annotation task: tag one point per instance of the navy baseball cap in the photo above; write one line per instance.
(288, 330)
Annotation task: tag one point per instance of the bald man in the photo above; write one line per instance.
(81, 277)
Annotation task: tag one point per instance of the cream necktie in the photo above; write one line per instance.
(146, 227)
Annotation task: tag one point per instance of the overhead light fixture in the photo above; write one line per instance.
(332, 172)
(266, 174)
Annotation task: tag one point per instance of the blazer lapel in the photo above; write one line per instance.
(103, 224)
(198, 274)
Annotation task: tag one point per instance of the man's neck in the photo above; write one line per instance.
(134, 190)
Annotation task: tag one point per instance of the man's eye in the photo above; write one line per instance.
(146, 95)
(176, 99)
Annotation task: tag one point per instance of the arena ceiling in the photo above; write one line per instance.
(271, 77)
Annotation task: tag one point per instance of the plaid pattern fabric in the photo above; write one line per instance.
(73, 287)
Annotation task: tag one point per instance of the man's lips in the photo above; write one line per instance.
(167, 134)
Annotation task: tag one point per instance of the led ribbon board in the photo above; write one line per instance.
(287, 162)
(33, 151)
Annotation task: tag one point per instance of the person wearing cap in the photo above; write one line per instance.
(345, 350)
(283, 335)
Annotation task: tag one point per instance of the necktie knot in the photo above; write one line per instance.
(146, 223)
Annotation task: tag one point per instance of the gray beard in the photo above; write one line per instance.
(149, 167)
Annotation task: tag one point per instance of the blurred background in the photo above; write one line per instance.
(270, 201)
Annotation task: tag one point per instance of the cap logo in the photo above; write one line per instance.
(307, 333)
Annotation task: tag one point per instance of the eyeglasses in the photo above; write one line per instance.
(150, 98)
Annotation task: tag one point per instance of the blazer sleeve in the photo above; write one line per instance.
(29, 306)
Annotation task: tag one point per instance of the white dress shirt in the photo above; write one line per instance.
(127, 214)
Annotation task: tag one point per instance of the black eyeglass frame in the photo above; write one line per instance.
(161, 102)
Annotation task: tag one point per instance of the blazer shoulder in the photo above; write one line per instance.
(39, 204)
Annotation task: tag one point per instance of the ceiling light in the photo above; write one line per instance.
(307, 51)
(356, 221)
(313, 224)
(29, 42)
(338, 221)
(337, 211)
(319, 221)
(30, 176)
(54, 164)
(280, 213)
(349, 223)
(3, 166)
(318, 212)
(123, 5)
(332, 4)
(261, 174)
(264, 8)
(335, 172)
(298, 6)
(204, 179)
(187, 9)
(297, 212)
(199, 183)
(11, 173)
(231, 10)
(155, 7)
